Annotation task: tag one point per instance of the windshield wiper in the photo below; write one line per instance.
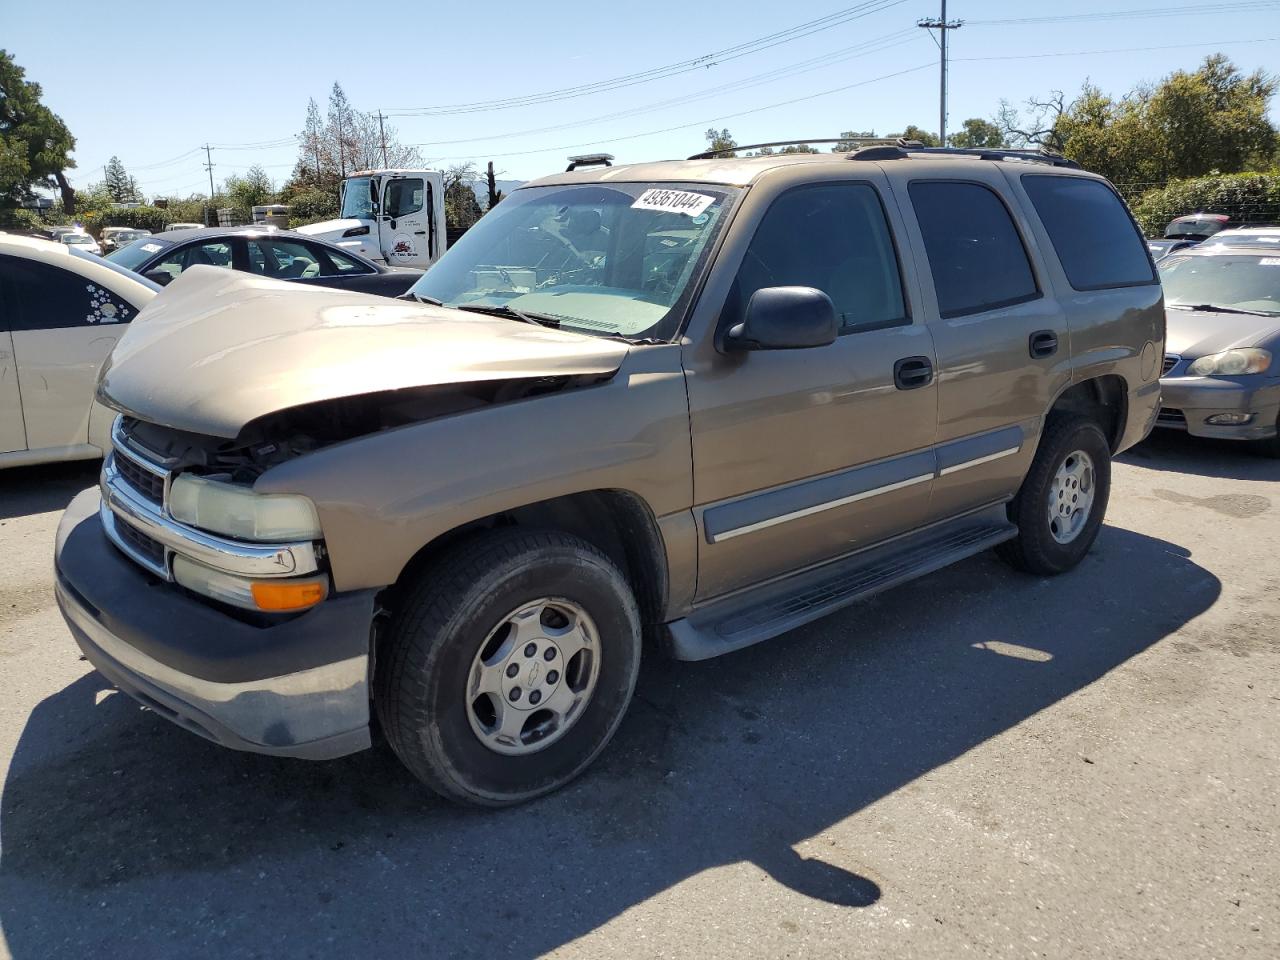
(506, 310)
(1218, 308)
(410, 295)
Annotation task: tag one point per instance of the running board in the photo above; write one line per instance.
(761, 613)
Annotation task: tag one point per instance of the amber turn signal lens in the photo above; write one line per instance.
(282, 596)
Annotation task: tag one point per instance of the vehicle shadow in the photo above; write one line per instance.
(118, 828)
(1177, 452)
(44, 488)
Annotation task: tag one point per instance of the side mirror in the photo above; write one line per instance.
(161, 277)
(785, 318)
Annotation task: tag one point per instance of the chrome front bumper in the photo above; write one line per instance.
(299, 688)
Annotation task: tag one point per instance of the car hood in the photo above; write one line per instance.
(1195, 333)
(218, 349)
(331, 228)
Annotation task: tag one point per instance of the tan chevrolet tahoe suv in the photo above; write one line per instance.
(675, 407)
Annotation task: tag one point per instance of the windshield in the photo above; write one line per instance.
(1249, 283)
(1195, 228)
(358, 198)
(616, 260)
(137, 253)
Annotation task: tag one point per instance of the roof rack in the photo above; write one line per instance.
(589, 160)
(712, 154)
(904, 148)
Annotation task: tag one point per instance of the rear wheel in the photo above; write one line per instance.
(508, 666)
(1060, 507)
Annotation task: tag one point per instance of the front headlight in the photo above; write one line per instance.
(1231, 363)
(238, 512)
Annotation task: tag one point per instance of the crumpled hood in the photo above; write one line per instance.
(219, 348)
(1196, 333)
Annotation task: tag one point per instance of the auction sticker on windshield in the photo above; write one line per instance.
(673, 201)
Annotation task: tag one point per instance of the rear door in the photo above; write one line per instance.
(63, 326)
(13, 435)
(404, 224)
(1000, 335)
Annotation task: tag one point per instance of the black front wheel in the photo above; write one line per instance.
(1060, 507)
(508, 666)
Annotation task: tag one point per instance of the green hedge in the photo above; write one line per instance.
(1249, 197)
(140, 218)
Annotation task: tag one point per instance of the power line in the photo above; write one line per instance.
(876, 45)
(1240, 6)
(1086, 53)
(759, 44)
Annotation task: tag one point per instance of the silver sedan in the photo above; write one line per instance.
(1222, 370)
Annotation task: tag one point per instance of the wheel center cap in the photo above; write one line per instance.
(532, 674)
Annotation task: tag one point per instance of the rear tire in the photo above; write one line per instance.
(442, 689)
(1056, 526)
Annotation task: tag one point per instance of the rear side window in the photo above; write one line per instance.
(833, 237)
(37, 296)
(1093, 234)
(975, 254)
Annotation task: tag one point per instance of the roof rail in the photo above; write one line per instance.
(712, 154)
(1002, 153)
(589, 160)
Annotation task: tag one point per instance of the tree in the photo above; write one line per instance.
(790, 148)
(461, 208)
(341, 128)
(720, 142)
(34, 142)
(1213, 120)
(313, 135)
(850, 140)
(122, 187)
(248, 191)
(976, 133)
(912, 132)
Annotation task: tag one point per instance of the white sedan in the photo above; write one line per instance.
(82, 242)
(61, 312)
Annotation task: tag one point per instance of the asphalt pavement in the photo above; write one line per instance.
(979, 764)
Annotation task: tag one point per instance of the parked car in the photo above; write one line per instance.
(113, 238)
(1221, 374)
(183, 226)
(695, 403)
(1197, 226)
(61, 312)
(1162, 248)
(266, 251)
(82, 242)
(1260, 236)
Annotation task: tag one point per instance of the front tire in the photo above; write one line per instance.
(508, 666)
(1060, 507)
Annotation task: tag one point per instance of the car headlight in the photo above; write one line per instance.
(237, 511)
(1232, 363)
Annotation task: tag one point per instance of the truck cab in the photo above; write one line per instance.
(394, 217)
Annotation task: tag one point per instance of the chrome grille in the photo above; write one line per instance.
(1171, 360)
(144, 481)
(150, 549)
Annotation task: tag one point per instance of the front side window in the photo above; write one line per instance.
(283, 259)
(615, 260)
(833, 237)
(1095, 238)
(213, 253)
(403, 197)
(37, 296)
(1244, 283)
(343, 265)
(975, 254)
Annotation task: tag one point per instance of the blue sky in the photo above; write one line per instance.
(135, 80)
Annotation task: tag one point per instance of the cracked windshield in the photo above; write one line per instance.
(616, 260)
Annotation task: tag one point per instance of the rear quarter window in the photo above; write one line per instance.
(1096, 240)
(37, 296)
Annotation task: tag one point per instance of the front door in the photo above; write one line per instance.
(404, 222)
(63, 326)
(804, 455)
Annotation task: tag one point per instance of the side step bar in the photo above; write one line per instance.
(764, 612)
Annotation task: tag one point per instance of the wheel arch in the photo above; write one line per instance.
(618, 522)
(1104, 399)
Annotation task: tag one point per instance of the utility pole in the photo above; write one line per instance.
(208, 165)
(942, 25)
(382, 134)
